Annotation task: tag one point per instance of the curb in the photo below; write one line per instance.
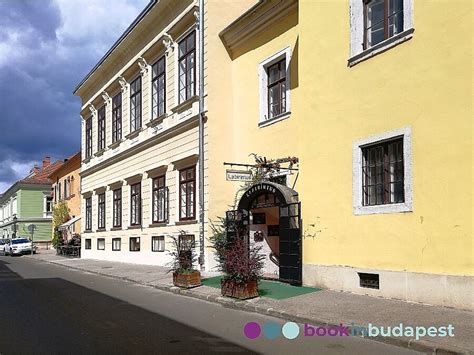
(416, 345)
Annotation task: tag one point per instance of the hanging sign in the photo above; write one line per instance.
(238, 175)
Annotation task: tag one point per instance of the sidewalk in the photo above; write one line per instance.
(318, 308)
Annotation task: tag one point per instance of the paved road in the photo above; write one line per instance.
(49, 309)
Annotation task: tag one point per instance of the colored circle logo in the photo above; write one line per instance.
(252, 330)
(271, 330)
(290, 330)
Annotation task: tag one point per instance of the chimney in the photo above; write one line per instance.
(35, 169)
(46, 162)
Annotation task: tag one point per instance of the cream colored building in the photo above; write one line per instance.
(140, 139)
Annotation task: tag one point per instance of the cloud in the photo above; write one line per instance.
(46, 48)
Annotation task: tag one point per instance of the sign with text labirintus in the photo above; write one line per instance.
(238, 175)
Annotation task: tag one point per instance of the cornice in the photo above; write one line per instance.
(255, 20)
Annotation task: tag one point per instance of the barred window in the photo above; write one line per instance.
(117, 117)
(101, 211)
(100, 243)
(158, 243)
(116, 244)
(135, 205)
(159, 200)
(88, 243)
(136, 104)
(158, 88)
(117, 208)
(383, 173)
(187, 67)
(135, 244)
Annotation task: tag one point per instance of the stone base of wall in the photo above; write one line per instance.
(434, 289)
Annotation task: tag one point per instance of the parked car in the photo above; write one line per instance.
(19, 246)
(3, 242)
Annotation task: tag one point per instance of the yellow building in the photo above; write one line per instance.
(379, 116)
(67, 187)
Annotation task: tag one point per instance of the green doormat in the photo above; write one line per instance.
(271, 289)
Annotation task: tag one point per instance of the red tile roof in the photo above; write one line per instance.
(41, 176)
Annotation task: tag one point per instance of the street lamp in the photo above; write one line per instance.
(15, 219)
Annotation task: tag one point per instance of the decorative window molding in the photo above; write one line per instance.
(357, 32)
(265, 119)
(407, 206)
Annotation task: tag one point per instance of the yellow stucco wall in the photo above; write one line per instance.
(424, 83)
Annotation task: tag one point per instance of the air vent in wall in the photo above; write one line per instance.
(369, 280)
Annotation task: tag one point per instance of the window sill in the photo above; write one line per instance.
(134, 134)
(381, 47)
(100, 230)
(87, 231)
(86, 160)
(157, 251)
(185, 104)
(156, 121)
(135, 227)
(383, 209)
(181, 223)
(275, 119)
(115, 229)
(158, 224)
(115, 144)
(99, 153)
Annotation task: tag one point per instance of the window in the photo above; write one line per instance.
(116, 244)
(100, 243)
(59, 191)
(88, 138)
(135, 244)
(101, 129)
(158, 88)
(117, 117)
(187, 193)
(65, 189)
(135, 205)
(186, 242)
(187, 67)
(88, 244)
(274, 78)
(117, 208)
(101, 211)
(377, 25)
(382, 173)
(158, 243)
(88, 213)
(136, 104)
(49, 205)
(382, 20)
(276, 88)
(159, 200)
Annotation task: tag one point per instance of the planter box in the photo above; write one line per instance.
(187, 280)
(240, 290)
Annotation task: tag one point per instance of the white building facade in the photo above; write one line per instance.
(140, 139)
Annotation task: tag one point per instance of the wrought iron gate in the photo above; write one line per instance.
(290, 243)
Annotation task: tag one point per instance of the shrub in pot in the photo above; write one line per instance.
(240, 261)
(183, 261)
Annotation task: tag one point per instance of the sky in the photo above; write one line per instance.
(46, 48)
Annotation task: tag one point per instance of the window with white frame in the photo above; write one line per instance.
(48, 205)
(159, 200)
(377, 25)
(382, 173)
(101, 211)
(274, 77)
(158, 243)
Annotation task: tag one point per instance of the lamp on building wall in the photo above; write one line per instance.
(15, 219)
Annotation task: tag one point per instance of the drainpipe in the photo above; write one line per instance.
(201, 133)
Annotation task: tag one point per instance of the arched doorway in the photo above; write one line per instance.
(269, 213)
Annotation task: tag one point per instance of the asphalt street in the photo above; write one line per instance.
(49, 309)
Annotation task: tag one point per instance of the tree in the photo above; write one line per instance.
(60, 216)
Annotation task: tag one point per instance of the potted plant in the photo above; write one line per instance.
(240, 261)
(183, 261)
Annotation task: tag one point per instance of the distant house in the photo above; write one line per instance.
(66, 187)
(29, 201)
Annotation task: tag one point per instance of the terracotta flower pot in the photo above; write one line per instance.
(192, 279)
(240, 290)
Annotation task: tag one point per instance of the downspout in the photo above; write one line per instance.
(201, 133)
